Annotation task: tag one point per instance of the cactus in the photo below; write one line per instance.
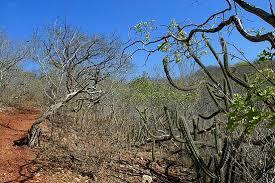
(214, 169)
(191, 145)
(219, 160)
(217, 139)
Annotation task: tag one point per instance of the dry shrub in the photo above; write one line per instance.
(84, 148)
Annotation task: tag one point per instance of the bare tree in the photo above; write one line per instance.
(10, 55)
(73, 64)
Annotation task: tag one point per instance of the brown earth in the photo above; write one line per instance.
(20, 164)
(16, 163)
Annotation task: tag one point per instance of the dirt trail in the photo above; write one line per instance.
(16, 162)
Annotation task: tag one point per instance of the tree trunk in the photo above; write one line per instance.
(33, 133)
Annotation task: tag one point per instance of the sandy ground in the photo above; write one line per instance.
(16, 163)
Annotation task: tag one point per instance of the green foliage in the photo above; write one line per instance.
(177, 57)
(174, 49)
(182, 34)
(242, 63)
(173, 25)
(155, 93)
(166, 59)
(144, 29)
(266, 56)
(256, 105)
(164, 47)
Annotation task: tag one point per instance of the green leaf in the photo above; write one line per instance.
(164, 47)
(166, 59)
(177, 57)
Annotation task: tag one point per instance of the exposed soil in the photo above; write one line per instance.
(19, 164)
(16, 163)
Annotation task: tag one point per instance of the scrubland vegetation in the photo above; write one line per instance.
(212, 124)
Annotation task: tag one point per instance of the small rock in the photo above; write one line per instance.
(37, 175)
(147, 179)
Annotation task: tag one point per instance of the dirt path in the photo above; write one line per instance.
(17, 165)
(16, 162)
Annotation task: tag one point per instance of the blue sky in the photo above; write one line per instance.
(19, 18)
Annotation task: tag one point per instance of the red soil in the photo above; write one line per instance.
(16, 163)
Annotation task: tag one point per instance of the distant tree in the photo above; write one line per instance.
(11, 54)
(148, 92)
